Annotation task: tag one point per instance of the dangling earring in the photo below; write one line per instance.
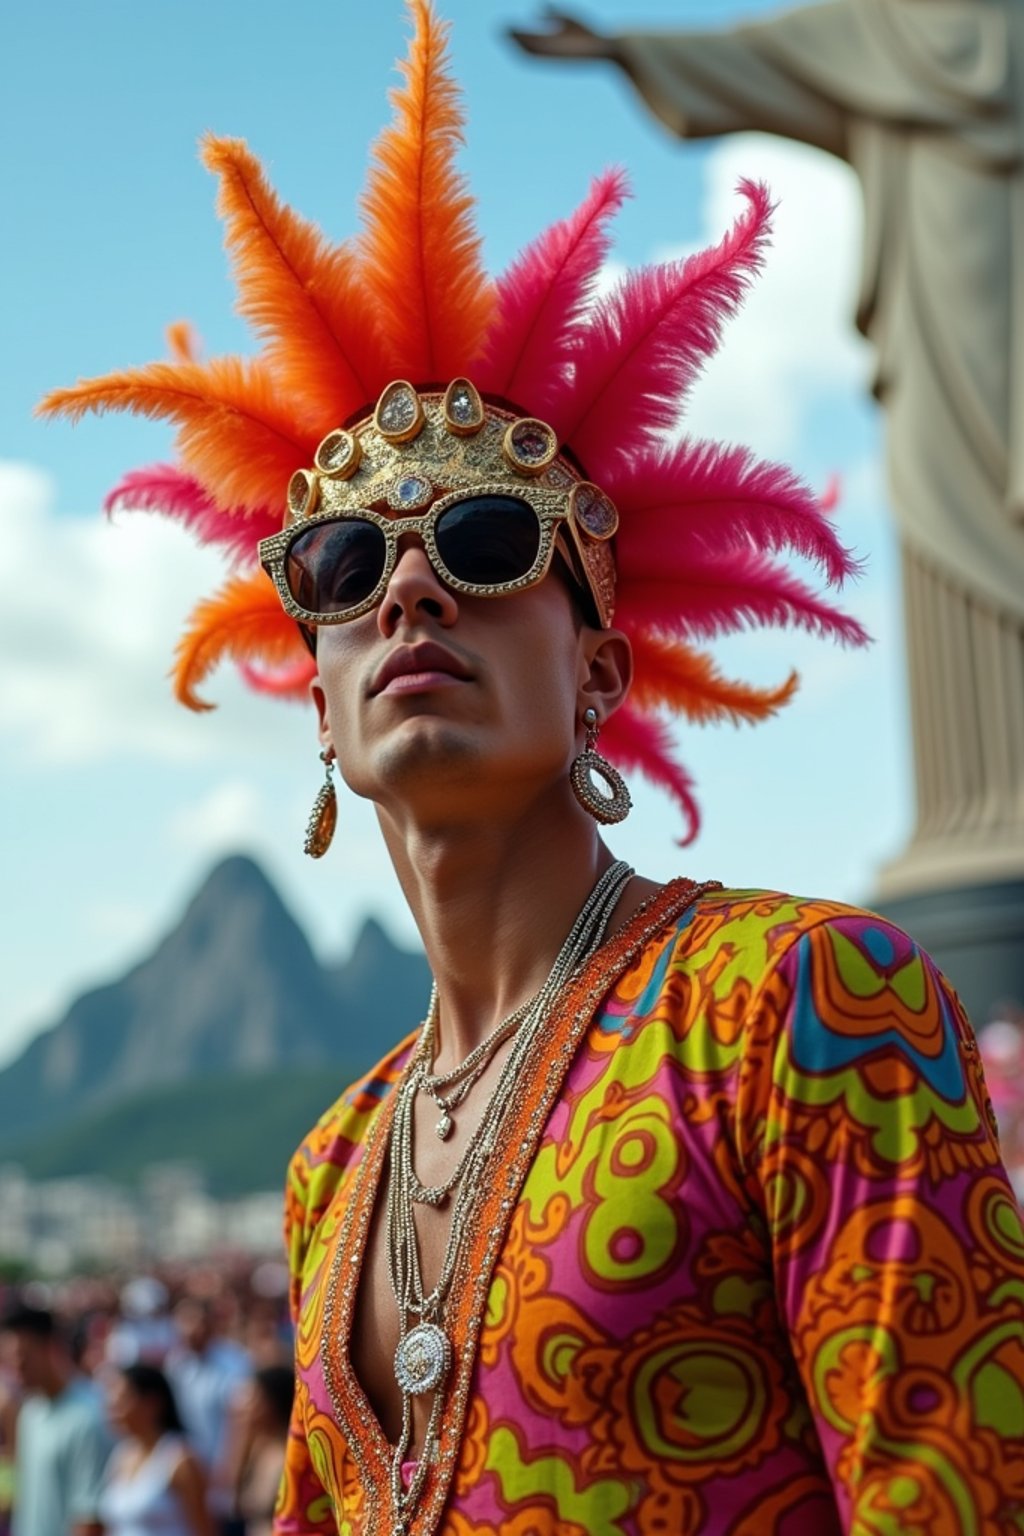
(323, 818)
(608, 805)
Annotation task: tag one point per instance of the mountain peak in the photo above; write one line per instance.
(236, 875)
(234, 986)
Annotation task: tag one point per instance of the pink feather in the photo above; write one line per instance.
(832, 494)
(670, 589)
(635, 741)
(287, 683)
(541, 297)
(166, 489)
(710, 499)
(642, 347)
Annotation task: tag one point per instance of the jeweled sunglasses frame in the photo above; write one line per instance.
(550, 507)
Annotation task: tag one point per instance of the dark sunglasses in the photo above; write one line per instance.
(334, 567)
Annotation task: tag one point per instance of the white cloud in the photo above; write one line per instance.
(226, 819)
(793, 346)
(89, 615)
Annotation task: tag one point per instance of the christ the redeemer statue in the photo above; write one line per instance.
(925, 99)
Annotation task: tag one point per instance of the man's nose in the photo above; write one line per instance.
(414, 591)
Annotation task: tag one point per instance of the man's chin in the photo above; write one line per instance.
(426, 750)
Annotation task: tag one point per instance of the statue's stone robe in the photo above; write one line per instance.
(925, 99)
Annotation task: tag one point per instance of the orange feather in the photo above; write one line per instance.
(420, 250)
(182, 342)
(243, 620)
(237, 434)
(299, 291)
(669, 674)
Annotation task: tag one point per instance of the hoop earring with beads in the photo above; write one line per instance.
(606, 805)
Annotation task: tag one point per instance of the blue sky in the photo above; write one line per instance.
(115, 801)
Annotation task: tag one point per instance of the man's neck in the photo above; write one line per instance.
(56, 1382)
(493, 902)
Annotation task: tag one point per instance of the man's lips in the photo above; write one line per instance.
(411, 667)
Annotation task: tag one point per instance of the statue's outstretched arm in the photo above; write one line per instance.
(566, 37)
(706, 83)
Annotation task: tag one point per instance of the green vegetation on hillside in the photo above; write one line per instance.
(240, 1130)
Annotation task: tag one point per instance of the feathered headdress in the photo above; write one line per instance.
(700, 526)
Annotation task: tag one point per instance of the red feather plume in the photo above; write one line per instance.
(168, 490)
(304, 295)
(635, 741)
(420, 249)
(236, 433)
(703, 499)
(641, 348)
(245, 621)
(541, 297)
(182, 342)
(701, 525)
(669, 675)
(659, 588)
(286, 682)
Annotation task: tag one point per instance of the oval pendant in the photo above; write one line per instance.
(607, 805)
(339, 454)
(423, 1359)
(529, 445)
(303, 494)
(323, 819)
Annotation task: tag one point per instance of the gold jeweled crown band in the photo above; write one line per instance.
(417, 445)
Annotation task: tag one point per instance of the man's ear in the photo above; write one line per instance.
(316, 693)
(607, 671)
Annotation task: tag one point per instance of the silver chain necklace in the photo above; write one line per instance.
(425, 1355)
(469, 1070)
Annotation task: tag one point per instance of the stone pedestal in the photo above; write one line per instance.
(958, 888)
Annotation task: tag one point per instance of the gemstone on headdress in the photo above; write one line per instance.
(558, 476)
(593, 511)
(339, 455)
(399, 413)
(409, 492)
(529, 445)
(303, 493)
(463, 408)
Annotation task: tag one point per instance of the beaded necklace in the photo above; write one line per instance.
(424, 1355)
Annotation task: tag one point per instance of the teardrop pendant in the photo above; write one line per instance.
(323, 818)
(399, 414)
(444, 1126)
(463, 408)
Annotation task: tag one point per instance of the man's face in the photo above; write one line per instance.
(194, 1325)
(485, 704)
(30, 1358)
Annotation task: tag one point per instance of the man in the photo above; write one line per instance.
(61, 1439)
(683, 1211)
(208, 1375)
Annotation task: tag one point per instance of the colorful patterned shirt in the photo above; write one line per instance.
(749, 1264)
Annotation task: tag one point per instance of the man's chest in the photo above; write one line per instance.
(623, 1220)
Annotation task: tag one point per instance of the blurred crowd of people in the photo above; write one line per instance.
(155, 1405)
(1001, 1043)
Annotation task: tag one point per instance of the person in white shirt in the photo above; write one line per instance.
(154, 1485)
(62, 1442)
(208, 1375)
